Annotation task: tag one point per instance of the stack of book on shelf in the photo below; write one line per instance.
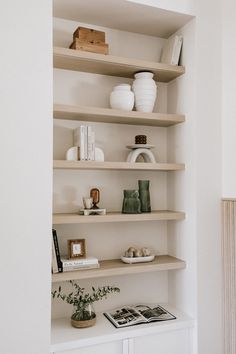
(62, 264)
(84, 138)
(80, 263)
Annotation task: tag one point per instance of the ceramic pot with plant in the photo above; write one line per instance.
(83, 311)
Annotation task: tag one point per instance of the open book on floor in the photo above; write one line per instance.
(131, 315)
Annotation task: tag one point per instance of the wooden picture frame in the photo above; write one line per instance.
(76, 248)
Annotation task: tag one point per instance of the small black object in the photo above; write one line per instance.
(140, 139)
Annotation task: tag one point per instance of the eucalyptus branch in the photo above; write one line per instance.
(79, 299)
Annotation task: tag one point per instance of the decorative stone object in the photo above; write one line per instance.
(131, 202)
(146, 252)
(146, 154)
(141, 148)
(136, 255)
(144, 196)
(130, 252)
(136, 252)
(122, 97)
(145, 91)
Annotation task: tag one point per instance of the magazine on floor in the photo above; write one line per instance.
(132, 315)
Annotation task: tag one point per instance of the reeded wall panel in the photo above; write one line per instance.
(229, 274)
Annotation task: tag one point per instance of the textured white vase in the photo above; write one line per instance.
(122, 97)
(145, 91)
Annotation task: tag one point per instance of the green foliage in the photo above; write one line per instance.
(80, 300)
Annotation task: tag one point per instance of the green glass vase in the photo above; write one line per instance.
(144, 196)
(131, 202)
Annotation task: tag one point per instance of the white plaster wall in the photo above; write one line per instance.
(183, 6)
(198, 190)
(25, 187)
(208, 175)
(229, 102)
(182, 237)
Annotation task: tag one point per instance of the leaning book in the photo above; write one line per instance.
(132, 315)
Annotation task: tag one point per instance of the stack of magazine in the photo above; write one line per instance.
(132, 315)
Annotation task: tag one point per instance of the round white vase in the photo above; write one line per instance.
(122, 97)
(145, 91)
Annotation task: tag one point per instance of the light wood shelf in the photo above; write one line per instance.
(116, 267)
(73, 218)
(107, 165)
(107, 115)
(71, 59)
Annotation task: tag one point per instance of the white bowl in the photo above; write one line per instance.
(131, 260)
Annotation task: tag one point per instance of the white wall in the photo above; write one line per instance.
(229, 102)
(25, 176)
(183, 6)
(182, 237)
(198, 190)
(208, 175)
(25, 187)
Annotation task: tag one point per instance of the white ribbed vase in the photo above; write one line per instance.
(122, 97)
(145, 91)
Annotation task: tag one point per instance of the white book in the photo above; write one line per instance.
(83, 142)
(86, 142)
(91, 143)
(171, 50)
(80, 267)
(54, 259)
(79, 261)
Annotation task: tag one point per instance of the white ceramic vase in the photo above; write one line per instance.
(145, 91)
(122, 97)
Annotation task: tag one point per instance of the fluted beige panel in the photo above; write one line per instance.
(229, 274)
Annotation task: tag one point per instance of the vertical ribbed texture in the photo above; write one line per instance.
(229, 274)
